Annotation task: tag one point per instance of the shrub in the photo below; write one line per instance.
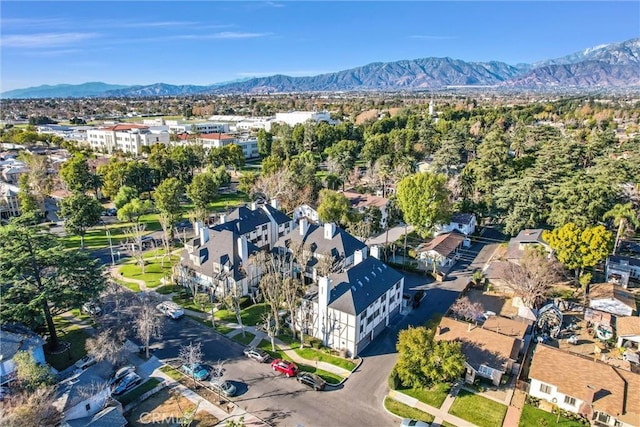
(315, 343)
(394, 380)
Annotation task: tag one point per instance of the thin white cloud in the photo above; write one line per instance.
(424, 37)
(221, 35)
(274, 4)
(32, 22)
(44, 40)
(52, 52)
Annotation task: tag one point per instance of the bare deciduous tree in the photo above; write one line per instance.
(94, 387)
(167, 232)
(532, 279)
(31, 409)
(107, 345)
(148, 323)
(465, 309)
(136, 232)
(191, 355)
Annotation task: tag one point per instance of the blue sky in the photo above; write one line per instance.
(125, 42)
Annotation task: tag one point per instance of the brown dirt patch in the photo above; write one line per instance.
(162, 409)
(366, 116)
(500, 304)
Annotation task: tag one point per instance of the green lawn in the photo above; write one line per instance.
(244, 340)
(76, 337)
(251, 316)
(433, 396)
(167, 289)
(478, 410)
(153, 270)
(129, 397)
(532, 416)
(171, 372)
(406, 411)
(321, 356)
(134, 287)
(184, 300)
(329, 377)
(220, 328)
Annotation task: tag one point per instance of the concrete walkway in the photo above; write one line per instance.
(113, 271)
(440, 414)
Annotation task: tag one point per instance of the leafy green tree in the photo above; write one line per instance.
(80, 212)
(342, 157)
(30, 374)
(140, 176)
(246, 181)
(492, 165)
(578, 248)
(167, 197)
(423, 199)
(203, 190)
(271, 164)
(525, 201)
(113, 176)
(76, 175)
(134, 209)
(39, 279)
(333, 207)
(264, 142)
(124, 196)
(423, 362)
(622, 215)
(28, 201)
(185, 160)
(449, 155)
(160, 161)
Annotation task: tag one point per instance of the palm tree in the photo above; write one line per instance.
(622, 214)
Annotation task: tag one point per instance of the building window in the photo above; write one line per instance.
(545, 389)
(87, 407)
(603, 418)
(570, 400)
(485, 370)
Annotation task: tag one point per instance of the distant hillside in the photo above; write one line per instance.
(62, 91)
(615, 65)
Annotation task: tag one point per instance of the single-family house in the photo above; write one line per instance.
(322, 241)
(488, 354)
(218, 261)
(306, 211)
(623, 270)
(604, 394)
(361, 202)
(349, 309)
(85, 393)
(611, 298)
(628, 331)
(110, 416)
(510, 327)
(465, 223)
(15, 338)
(9, 203)
(441, 252)
(529, 238)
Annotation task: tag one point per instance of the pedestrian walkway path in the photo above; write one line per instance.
(113, 271)
(440, 414)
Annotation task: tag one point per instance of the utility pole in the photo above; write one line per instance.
(113, 262)
(404, 260)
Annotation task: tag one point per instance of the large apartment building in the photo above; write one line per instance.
(248, 144)
(126, 137)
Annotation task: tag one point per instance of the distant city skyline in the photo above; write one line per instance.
(201, 43)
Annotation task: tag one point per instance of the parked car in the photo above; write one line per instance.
(417, 298)
(224, 387)
(312, 380)
(126, 383)
(85, 362)
(288, 368)
(183, 225)
(121, 373)
(196, 371)
(91, 308)
(112, 212)
(408, 422)
(256, 354)
(170, 309)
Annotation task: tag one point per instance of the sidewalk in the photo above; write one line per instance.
(441, 414)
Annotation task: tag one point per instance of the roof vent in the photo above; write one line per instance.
(380, 269)
(373, 273)
(360, 283)
(366, 278)
(353, 288)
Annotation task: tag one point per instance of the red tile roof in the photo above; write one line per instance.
(217, 136)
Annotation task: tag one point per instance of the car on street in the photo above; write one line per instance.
(224, 387)
(85, 362)
(196, 371)
(256, 354)
(170, 309)
(312, 380)
(408, 422)
(121, 373)
(91, 308)
(288, 368)
(126, 383)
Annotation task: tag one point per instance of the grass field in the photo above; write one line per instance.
(75, 336)
(153, 270)
(478, 410)
(244, 340)
(406, 411)
(434, 396)
(532, 416)
(129, 397)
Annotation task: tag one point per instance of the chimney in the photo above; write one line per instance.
(438, 330)
(324, 294)
(469, 327)
(223, 218)
(274, 203)
(204, 234)
(329, 230)
(304, 226)
(197, 228)
(375, 251)
(359, 255)
(254, 205)
(243, 251)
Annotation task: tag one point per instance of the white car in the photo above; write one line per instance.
(408, 422)
(170, 309)
(85, 362)
(121, 373)
(91, 308)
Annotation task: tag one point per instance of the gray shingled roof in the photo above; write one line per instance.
(462, 218)
(108, 417)
(342, 244)
(249, 220)
(71, 391)
(15, 338)
(279, 217)
(618, 259)
(357, 288)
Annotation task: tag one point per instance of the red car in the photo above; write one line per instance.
(288, 368)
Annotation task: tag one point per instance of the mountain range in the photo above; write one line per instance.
(610, 66)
